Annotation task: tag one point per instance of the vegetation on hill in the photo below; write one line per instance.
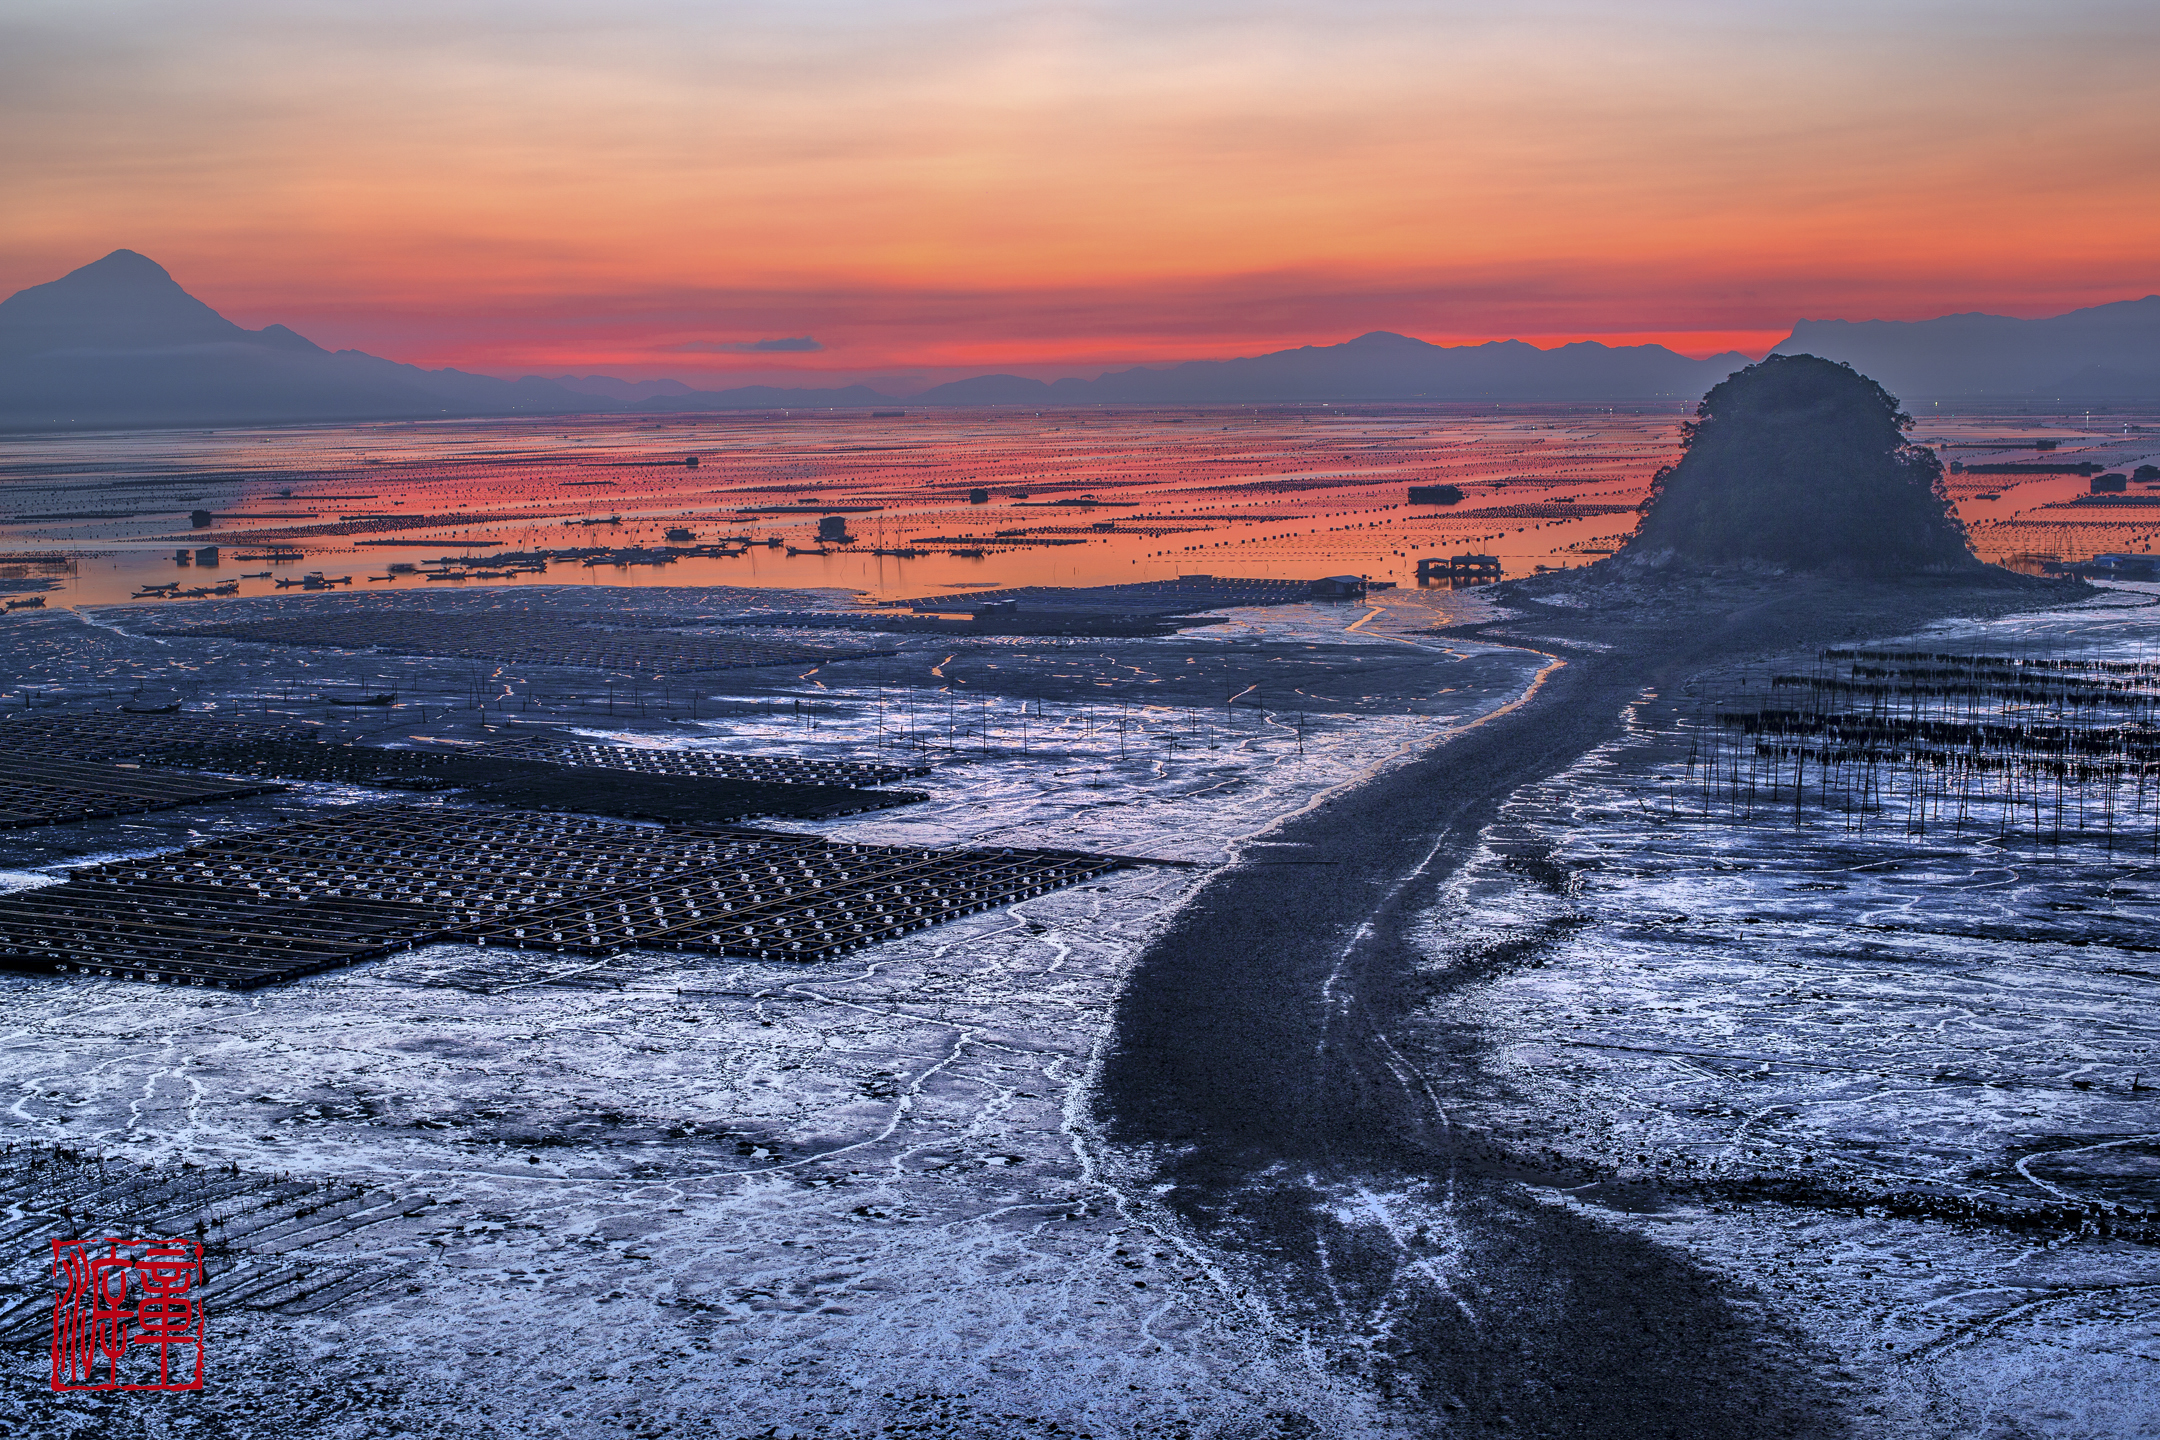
(1803, 463)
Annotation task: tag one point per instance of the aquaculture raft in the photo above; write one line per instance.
(708, 764)
(540, 773)
(274, 905)
(106, 735)
(40, 790)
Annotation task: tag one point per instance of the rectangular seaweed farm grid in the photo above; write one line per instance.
(253, 909)
(37, 789)
(702, 763)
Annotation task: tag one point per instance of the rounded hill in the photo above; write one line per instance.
(1803, 463)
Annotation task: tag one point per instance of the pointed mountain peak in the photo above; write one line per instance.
(285, 338)
(122, 267)
(126, 301)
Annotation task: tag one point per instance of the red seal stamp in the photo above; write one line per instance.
(127, 1315)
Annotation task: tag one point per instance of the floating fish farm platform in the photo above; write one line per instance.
(275, 905)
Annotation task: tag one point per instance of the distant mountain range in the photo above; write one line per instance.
(1378, 366)
(119, 343)
(2105, 352)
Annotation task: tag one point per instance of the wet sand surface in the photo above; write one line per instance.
(1261, 1064)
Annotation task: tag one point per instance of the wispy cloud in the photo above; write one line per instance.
(786, 345)
(549, 186)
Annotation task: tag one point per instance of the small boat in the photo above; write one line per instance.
(965, 554)
(793, 551)
(35, 602)
(258, 575)
(172, 709)
(385, 698)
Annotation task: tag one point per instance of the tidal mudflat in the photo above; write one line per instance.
(1441, 1125)
(1898, 1082)
(730, 1197)
(1451, 1075)
(945, 1186)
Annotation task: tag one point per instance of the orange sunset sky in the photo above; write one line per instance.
(940, 188)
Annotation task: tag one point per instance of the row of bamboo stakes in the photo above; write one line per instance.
(2045, 750)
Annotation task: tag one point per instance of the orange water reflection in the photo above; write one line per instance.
(1070, 497)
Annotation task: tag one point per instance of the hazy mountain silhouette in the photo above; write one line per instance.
(2096, 353)
(767, 397)
(616, 389)
(1377, 366)
(118, 342)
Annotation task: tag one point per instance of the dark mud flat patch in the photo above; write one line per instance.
(1145, 597)
(1252, 1060)
(1242, 675)
(1060, 622)
(610, 643)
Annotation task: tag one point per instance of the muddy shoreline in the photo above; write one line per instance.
(1251, 1061)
